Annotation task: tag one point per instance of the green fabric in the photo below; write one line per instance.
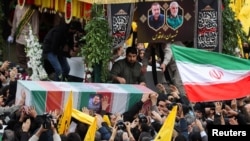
(39, 100)
(84, 99)
(134, 95)
(196, 56)
(175, 22)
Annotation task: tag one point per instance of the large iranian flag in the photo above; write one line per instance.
(211, 76)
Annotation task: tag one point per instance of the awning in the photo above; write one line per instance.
(79, 9)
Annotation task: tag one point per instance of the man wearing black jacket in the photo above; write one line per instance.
(59, 44)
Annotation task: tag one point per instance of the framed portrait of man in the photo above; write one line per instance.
(156, 16)
(94, 103)
(168, 28)
(175, 16)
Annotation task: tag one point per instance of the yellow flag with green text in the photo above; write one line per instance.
(64, 120)
(166, 131)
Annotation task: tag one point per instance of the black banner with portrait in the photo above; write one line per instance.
(208, 25)
(120, 19)
(169, 21)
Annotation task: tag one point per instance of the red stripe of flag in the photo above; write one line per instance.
(54, 97)
(218, 92)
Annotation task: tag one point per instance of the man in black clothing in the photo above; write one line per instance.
(128, 70)
(59, 44)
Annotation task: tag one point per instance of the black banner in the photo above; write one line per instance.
(167, 28)
(208, 28)
(120, 20)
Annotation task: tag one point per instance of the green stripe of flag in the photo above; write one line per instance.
(135, 95)
(83, 99)
(199, 56)
(39, 101)
(133, 99)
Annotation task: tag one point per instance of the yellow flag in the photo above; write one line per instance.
(90, 136)
(244, 16)
(106, 119)
(238, 5)
(85, 118)
(64, 121)
(166, 131)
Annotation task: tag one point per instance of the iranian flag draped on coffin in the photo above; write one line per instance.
(50, 95)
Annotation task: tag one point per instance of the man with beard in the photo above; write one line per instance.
(95, 103)
(174, 20)
(156, 20)
(128, 70)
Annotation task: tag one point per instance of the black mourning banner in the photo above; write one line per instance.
(120, 20)
(167, 28)
(208, 27)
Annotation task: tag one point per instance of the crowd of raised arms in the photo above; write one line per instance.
(21, 122)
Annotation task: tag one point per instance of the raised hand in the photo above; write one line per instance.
(26, 125)
(105, 103)
(85, 110)
(32, 111)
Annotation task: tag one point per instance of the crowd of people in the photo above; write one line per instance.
(22, 123)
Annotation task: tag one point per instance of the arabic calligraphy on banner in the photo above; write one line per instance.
(208, 25)
(120, 20)
(175, 21)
